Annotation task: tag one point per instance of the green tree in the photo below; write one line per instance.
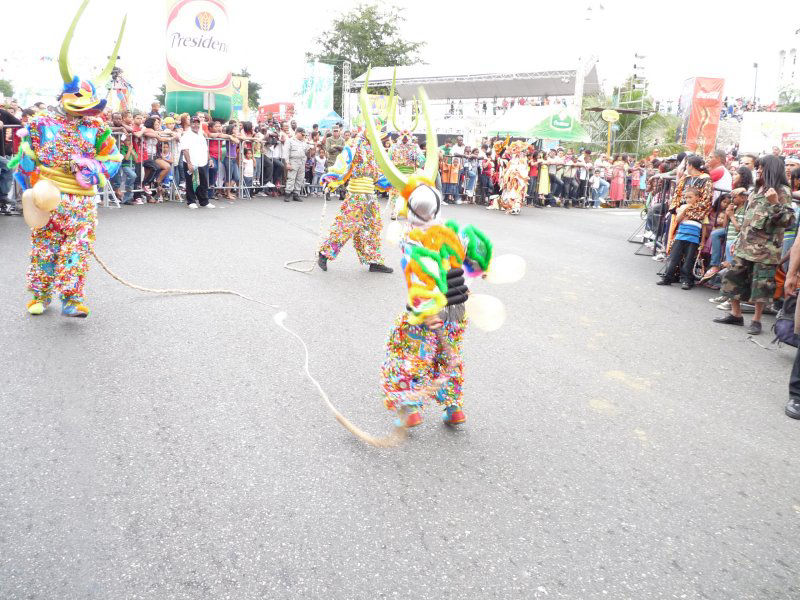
(793, 107)
(162, 94)
(367, 35)
(6, 88)
(253, 89)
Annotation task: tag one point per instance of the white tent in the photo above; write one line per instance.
(451, 82)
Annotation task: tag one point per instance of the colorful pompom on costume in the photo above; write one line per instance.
(423, 352)
(63, 157)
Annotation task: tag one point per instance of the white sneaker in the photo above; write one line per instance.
(193, 206)
(660, 257)
(725, 305)
(270, 184)
(718, 300)
(209, 205)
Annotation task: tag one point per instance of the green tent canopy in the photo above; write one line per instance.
(539, 122)
(560, 126)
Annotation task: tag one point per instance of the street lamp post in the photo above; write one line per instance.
(755, 83)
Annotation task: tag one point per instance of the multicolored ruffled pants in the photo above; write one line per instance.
(414, 358)
(360, 218)
(60, 250)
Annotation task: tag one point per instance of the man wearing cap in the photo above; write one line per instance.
(195, 160)
(294, 153)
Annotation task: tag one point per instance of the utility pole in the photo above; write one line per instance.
(639, 82)
(755, 83)
(346, 81)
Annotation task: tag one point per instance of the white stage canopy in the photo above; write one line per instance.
(451, 83)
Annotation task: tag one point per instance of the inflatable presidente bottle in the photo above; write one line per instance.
(198, 58)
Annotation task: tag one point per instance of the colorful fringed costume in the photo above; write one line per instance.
(422, 361)
(359, 214)
(423, 354)
(64, 156)
(405, 155)
(514, 179)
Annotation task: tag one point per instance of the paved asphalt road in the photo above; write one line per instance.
(619, 443)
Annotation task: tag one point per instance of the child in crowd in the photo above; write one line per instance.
(718, 237)
(311, 162)
(687, 241)
(594, 183)
(471, 175)
(319, 170)
(248, 168)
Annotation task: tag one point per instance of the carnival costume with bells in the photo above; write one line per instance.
(63, 157)
(436, 259)
(360, 212)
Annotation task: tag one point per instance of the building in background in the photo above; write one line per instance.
(789, 71)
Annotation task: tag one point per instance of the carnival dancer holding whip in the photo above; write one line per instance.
(63, 157)
(423, 352)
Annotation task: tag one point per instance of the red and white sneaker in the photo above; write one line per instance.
(413, 419)
(453, 415)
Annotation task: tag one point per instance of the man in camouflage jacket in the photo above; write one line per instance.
(757, 254)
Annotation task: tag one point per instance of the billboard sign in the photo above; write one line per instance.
(317, 92)
(790, 143)
(699, 109)
(198, 45)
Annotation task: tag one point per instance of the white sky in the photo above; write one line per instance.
(681, 39)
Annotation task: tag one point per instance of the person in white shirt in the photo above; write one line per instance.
(458, 148)
(248, 169)
(195, 160)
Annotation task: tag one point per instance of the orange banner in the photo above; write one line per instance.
(706, 104)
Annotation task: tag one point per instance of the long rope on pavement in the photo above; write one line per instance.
(393, 439)
(176, 292)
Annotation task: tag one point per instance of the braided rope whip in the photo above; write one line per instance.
(176, 292)
(390, 441)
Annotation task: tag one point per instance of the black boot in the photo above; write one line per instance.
(322, 261)
(296, 197)
(287, 197)
(793, 408)
(379, 268)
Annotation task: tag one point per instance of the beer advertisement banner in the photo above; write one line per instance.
(198, 46)
(704, 114)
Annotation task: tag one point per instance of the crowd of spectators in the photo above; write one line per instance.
(557, 177)
(240, 159)
(734, 108)
(729, 223)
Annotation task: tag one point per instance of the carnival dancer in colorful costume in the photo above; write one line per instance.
(514, 179)
(423, 356)
(404, 153)
(63, 157)
(360, 213)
